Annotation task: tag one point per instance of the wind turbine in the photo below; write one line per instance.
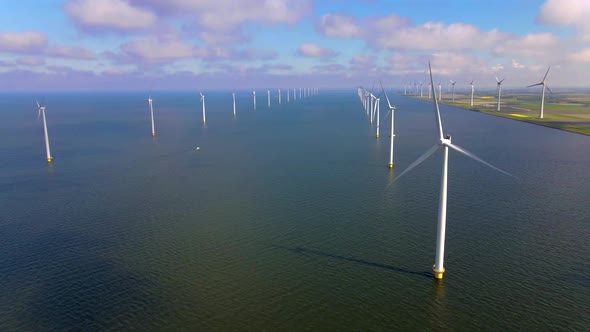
(420, 89)
(445, 144)
(472, 90)
(453, 89)
(203, 101)
(288, 93)
(233, 94)
(429, 92)
(544, 84)
(41, 109)
(405, 88)
(377, 104)
(439, 92)
(268, 96)
(254, 96)
(279, 96)
(392, 111)
(152, 113)
(499, 82)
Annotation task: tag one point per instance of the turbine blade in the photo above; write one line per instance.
(497, 80)
(528, 86)
(418, 161)
(435, 100)
(501, 81)
(38, 106)
(386, 97)
(476, 158)
(544, 77)
(547, 86)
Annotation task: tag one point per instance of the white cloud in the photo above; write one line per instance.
(313, 50)
(581, 56)
(517, 65)
(533, 44)
(30, 61)
(333, 25)
(567, 12)
(22, 41)
(109, 14)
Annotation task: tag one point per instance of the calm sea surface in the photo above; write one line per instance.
(285, 219)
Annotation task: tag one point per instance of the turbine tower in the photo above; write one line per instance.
(279, 96)
(392, 111)
(41, 109)
(152, 114)
(439, 91)
(429, 92)
(420, 89)
(254, 97)
(499, 83)
(453, 89)
(288, 93)
(445, 144)
(203, 101)
(544, 84)
(233, 94)
(472, 90)
(377, 104)
(268, 96)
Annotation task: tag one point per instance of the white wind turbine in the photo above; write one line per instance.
(279, 96)
(203, 101)
(233, 94)
(445, 144)
(268, 96)
(472, 90)
(544, 84)
(499, 83)
(453, 89)
(152, 114)
(41, 109)
(429, 92)
(254, 97)
(392, 111)
(377, 108)
(439, 92)
(420, 89)
(405, 89)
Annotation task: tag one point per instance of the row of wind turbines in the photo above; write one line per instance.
(303, 93)
(370, 104)
(408, 90)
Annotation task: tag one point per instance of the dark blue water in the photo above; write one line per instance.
(285, 219)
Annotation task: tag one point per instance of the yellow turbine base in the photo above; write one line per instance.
(377, 135)
(49, 159)
(153, 134)
(390, 166)
(438, 274)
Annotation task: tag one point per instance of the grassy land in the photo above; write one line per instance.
(570, 112)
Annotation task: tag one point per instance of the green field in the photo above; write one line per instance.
(566, 111)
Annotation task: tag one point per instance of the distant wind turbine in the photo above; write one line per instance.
(279, 96)
(472, 90)
(499, 83)
(439, 91)
(377, 108)
(152, 114)
(41, 109)
(453, 89)
(392, 111)
(268, 96)
(420, 89)
(544, 84)
(429, 92)
(288, 93)
(233, 94)
(254, 97)
(445, 144)
(203, 101)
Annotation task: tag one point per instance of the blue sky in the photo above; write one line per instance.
(212, 44)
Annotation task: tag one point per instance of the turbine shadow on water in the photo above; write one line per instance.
(306, 252)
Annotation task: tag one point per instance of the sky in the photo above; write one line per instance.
(230, 44)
